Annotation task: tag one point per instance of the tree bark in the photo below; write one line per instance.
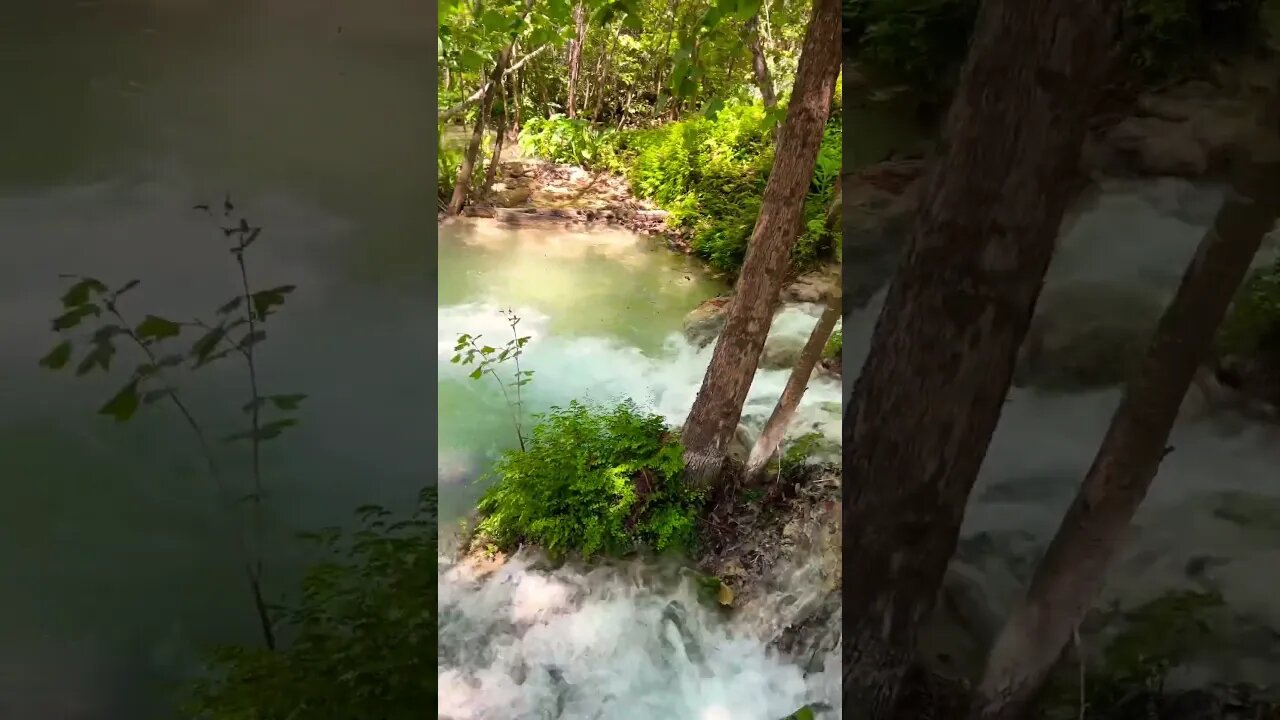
(575, 57)
(776, 427)
(463, 185)
(495, 158)
(718, 407)
(1071, 572)
(606, 64)
(760, 64)
(943, 350)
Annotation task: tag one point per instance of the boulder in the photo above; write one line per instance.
(816, 286)
(1189, 130)
(703, 324)
(1086, 336)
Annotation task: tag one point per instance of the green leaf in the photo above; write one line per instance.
(265, 432)
(287, 402)
(100, 357)
(203, 348)
(75, 316)
(154, 327)
(230, 305)
(127, 287)
(251, 339)
(78, 294)
(475, 374)
(124, 404)
(264, 300)
(57, 357)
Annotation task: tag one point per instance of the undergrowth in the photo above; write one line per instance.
(592, 480)
(1253, 324)
(708, 171)
(364, 629)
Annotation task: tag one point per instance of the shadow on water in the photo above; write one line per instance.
(114, 574)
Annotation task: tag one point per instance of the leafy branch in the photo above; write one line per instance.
(92, 317)
(486, 359)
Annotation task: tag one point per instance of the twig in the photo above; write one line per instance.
(474, 97)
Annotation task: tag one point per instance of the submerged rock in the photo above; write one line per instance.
(1085, 336)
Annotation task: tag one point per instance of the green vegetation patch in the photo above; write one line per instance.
(364, 630)
(709, 171)
(592, 480)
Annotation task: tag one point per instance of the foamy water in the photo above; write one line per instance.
(611, 643)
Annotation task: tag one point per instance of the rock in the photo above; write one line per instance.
(1079, 341)
(880, 203)
(816, 286)
(1188, 131)
(781, 352)
(704, 323)
(510, 197)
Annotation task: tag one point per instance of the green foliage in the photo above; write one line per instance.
(834, 346)
(1253, 324)
(798, 451)
(592, 480)
(364, 633)
(708, 171)
(921, 44)
(918, 43)
(564, 140)
(1150, 641)
(487, 359)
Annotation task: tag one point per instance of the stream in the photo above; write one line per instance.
(603, 309)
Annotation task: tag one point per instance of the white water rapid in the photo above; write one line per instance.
(630, 641)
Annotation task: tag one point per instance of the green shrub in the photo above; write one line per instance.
(1253, 323)
(834, 345)
(593, 480)
(708, 172)
(364, 634)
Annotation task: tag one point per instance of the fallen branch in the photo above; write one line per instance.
(462, 106)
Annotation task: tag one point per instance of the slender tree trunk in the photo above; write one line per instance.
(575, 57)
(664, 56)
(1069, 576)
(495, 159)
(718, 407)
(942, 354)
(760, 64)
(776, 428)
(463, 185)
(605, 65)
(517, 88)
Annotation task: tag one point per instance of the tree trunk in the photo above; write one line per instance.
(575, 57)
(462, 186)
(718, 407)
(516, 98)
(606, 64)
(1071, 572)
(776, 428)
(942, 354)
(760, 64)
(495, 159)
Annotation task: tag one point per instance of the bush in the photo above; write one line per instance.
(708, 172)
(835, 345)
(365, 634)
(592, 480)
(1253, 323)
